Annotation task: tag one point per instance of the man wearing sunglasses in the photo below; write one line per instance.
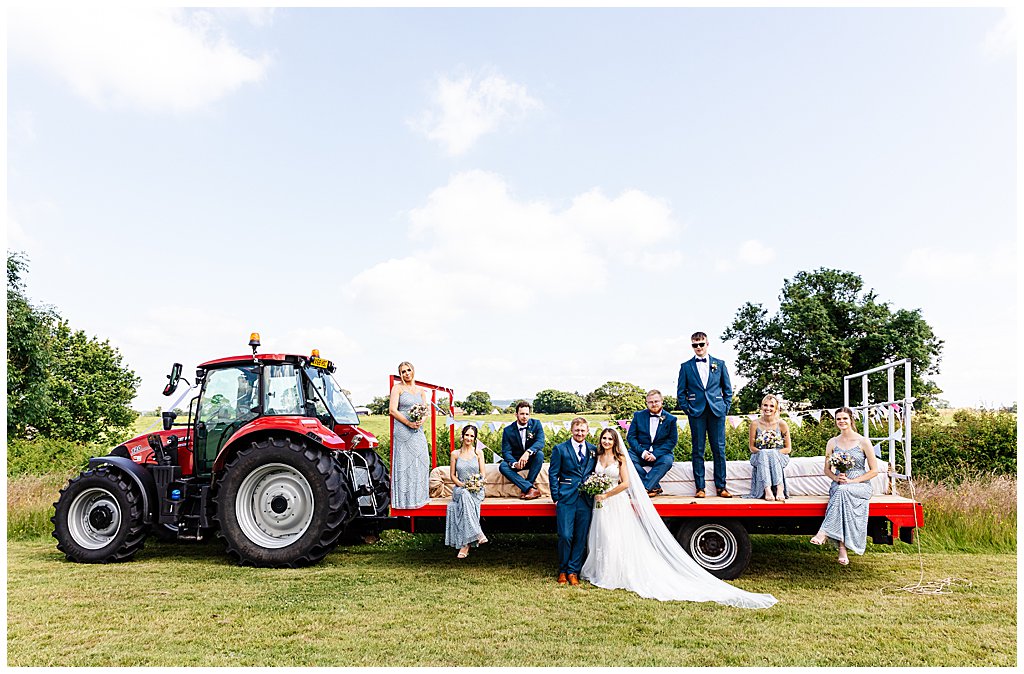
(705, 394)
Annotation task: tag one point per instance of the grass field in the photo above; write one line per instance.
(408, 601)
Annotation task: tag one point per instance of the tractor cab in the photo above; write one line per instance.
(244, 393)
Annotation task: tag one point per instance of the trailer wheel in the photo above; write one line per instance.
(98, 517)
(720, 546)
(282, 503)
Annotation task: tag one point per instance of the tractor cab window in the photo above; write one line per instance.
(324, 392)
(282, 390)
(230, 399)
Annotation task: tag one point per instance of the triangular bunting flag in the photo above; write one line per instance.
(799, 421)
(816, 414)
(623, 424)
(733, 421)
(833, 411)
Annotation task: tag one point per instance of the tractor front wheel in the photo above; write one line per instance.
(98, 517)
(281, 503)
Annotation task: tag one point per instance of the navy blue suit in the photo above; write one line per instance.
(706, 407)
(573, 510)
(512, 449)
(663, 446)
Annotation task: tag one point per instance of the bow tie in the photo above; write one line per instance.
(702, 360)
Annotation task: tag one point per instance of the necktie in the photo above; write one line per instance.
(580, 452)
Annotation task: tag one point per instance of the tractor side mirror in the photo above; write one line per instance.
(168, 419)
(173, 378)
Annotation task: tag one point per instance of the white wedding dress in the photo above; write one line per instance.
(629, 547)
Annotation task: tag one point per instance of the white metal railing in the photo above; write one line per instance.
(906, 405)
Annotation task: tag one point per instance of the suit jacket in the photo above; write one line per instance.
(512, 444)
(566, 473)
(693, 397)
(639, 434)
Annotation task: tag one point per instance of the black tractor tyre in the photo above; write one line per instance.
(282, 503)
(381, 480)
(98, 517)
(720, 546)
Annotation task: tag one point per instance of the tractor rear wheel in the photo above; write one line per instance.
(98, 517)
(282, 503)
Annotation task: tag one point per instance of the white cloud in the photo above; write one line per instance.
(753, 252)
(932, 263)
(21, 126)
(148, 57)
(482, 247)
(1001, 39)
(467, 107)
(17, 238)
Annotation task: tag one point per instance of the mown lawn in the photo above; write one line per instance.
(408, 601)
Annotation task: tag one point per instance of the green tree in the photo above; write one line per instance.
(619, 399)
(28, 353)
(828, 326)
(379, 405)
(550, 401)
(477, 402)
(90, 389)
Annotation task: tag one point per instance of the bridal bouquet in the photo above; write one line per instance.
(841, 461)
(596, 484)
(769, 440)
(474, 483)
(416, 413)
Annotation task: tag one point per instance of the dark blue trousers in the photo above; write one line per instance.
(573, 522)
(651, 472)
(533, 466)
(707, 424)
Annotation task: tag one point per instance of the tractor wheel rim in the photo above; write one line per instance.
(274, 505)
(713, 546)
(94, 518)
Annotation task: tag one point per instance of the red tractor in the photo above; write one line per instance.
(272, 459)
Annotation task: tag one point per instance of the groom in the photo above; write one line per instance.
(704, 394)
(571, 463)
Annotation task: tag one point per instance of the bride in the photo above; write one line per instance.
(630, 547)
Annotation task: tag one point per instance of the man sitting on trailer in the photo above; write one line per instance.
(652, 441)
(522, 448)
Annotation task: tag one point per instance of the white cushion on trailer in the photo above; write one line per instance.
(804, 477)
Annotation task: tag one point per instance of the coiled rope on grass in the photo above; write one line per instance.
(933, 587)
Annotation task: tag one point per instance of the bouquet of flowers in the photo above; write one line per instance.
(416, 413)
(769, 440)
(596, 484)
(841, 461)
(474, 483)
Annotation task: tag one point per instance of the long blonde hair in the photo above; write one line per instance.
(778, 407)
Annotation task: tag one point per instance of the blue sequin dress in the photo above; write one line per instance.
(846, 518)
(462, 519)
(410, 460)
(769, 466)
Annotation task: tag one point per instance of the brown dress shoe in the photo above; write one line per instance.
(531, 494)
(562, 580)
(722, 493)
(574, 579)
(700, 493)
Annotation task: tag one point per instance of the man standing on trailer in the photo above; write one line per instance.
(705, 393)
(652, 438)
(522, 447)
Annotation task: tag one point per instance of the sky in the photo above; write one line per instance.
(515, 199)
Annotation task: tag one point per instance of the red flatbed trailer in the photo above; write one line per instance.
(714, 531)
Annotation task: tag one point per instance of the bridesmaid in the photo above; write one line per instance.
(462, 519)
(846, 518)
(769, 480)
(410, 461)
